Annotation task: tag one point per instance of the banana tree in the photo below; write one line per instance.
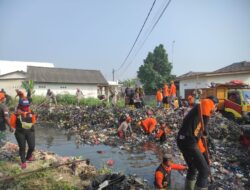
(29, 87)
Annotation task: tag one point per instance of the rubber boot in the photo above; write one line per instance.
(200, 188)
(189, 184)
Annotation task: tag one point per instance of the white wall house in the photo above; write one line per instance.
(66, 81)
(12, 66)
(12, 81)
(195, 80)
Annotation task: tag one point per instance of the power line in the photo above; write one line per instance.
(164, 9)
(137, 36)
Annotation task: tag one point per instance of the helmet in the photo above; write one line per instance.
(214, 99)
(167, 157)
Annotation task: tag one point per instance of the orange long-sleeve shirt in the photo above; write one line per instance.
(159, 96)
(149, 125)
(207, 107)
(159, 176)
(172, 90)
(165, 90)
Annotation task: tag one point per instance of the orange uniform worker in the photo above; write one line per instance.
(165, 95)
(159, 97)
(163, 172)
(191, 100)
(148, 124)
(191, 146)
(172, 94)
(172, 91)
(23, 121)
(163, 131)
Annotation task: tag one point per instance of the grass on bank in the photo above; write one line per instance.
(47, 179)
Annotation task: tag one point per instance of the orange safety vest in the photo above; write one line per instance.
(27, 120)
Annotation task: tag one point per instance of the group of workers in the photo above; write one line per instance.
(167, 96)
(191, 140)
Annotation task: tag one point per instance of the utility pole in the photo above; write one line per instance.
(173, 52)
(113, 73)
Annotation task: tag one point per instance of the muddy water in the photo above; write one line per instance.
(141, 161)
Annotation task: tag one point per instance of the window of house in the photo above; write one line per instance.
(42, 86)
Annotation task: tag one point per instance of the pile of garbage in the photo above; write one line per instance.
(98, 125)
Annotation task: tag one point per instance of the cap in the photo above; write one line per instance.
(167, 157)
(214, 99)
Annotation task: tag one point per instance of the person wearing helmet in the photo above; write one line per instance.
(23, 121)
(163, 172)
(188, 141)
(23, 100)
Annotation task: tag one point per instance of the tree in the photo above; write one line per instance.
(129, 82)
(156, 70)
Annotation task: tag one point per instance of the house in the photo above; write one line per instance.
(12, 81)
(194, 80)
(66, 81)
(12, 66)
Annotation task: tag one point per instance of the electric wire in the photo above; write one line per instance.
(164, 9)
(137, 36)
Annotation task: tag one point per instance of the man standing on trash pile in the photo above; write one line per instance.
(191, 146)
(165, 95)
(123, 128)
(148, 124)
(163, 172)
(163, 132)
(159, 98)
(172, 94)
(79, 96)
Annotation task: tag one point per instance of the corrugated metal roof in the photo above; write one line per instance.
(235, 67)
(62, 75)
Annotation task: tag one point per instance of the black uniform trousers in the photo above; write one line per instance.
(23, 135)
(195, 161)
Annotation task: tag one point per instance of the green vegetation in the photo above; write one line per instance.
(68, 99)
(47, 179)
(155, 71)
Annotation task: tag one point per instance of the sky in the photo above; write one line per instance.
(198, 35)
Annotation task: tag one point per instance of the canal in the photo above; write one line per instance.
(141, 161)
